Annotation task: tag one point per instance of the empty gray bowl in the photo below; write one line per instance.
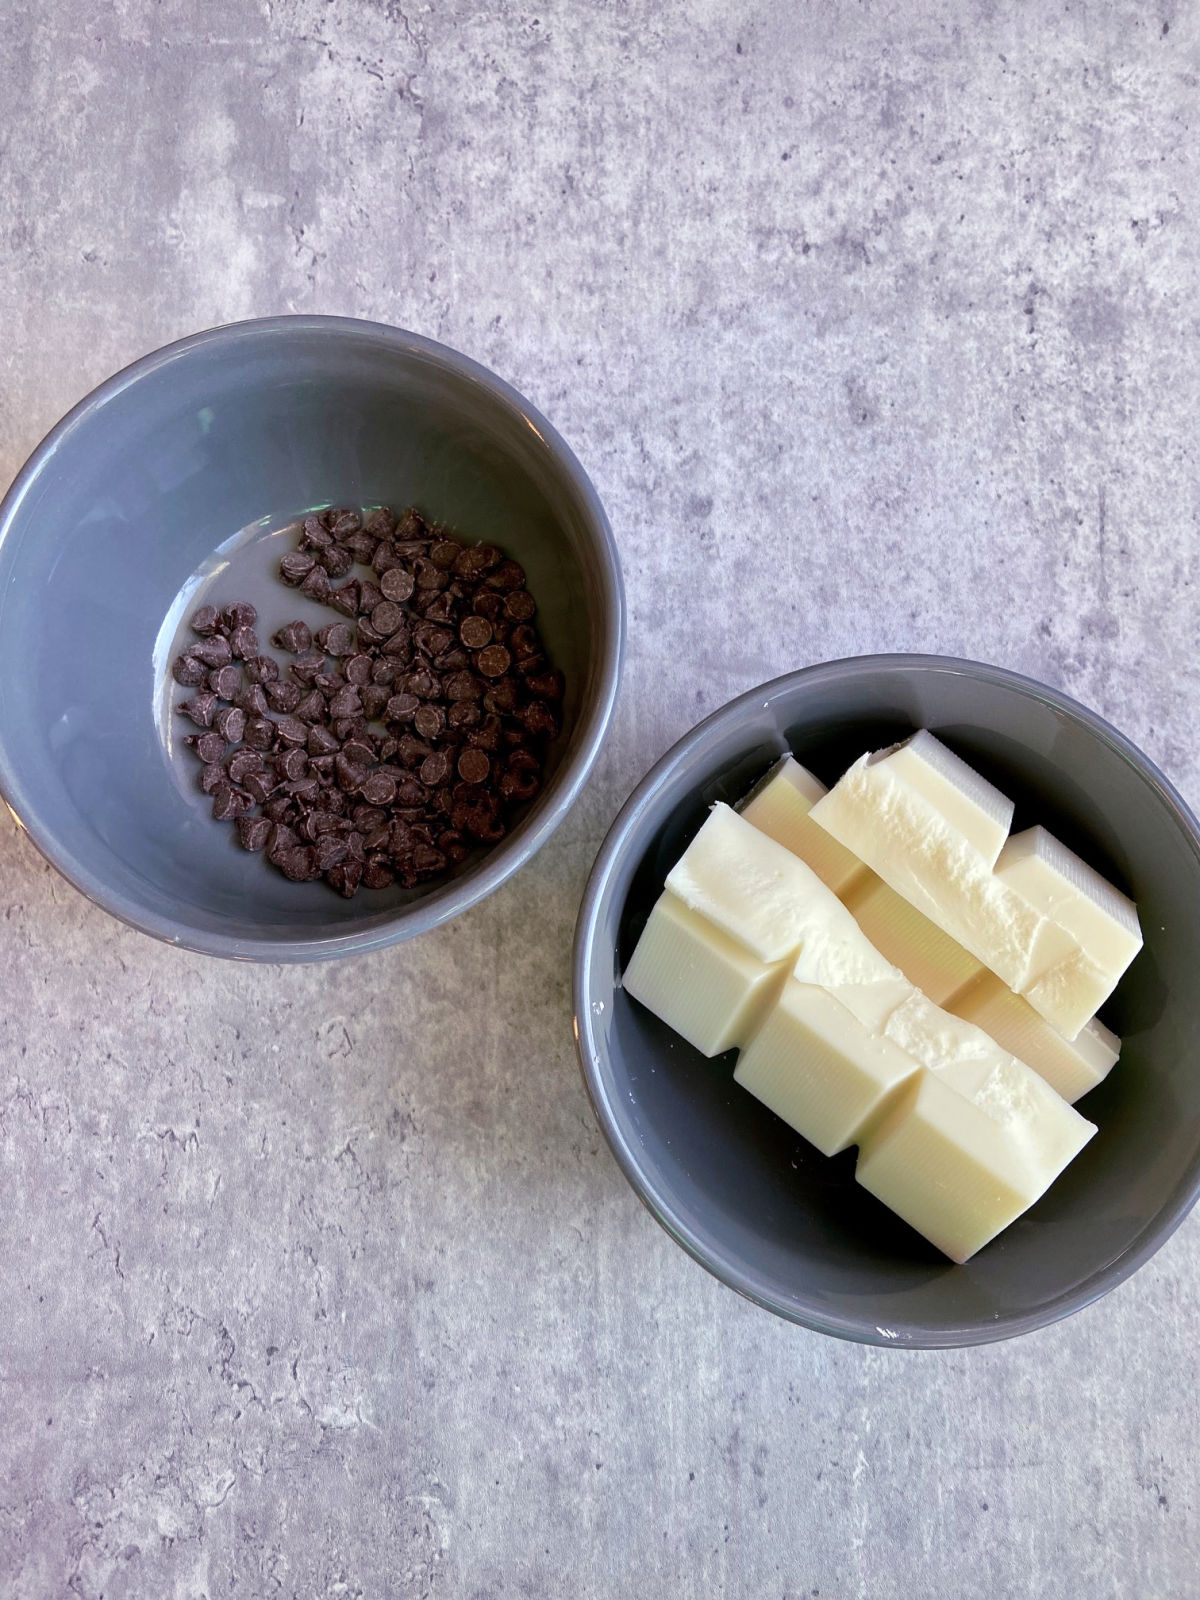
(750, 1199)
(170, 486)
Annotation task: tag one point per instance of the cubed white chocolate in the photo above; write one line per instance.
(698, 980)
(779, 806)
(961, 1155)
(1070, 1066)
(816, 1066)
(1063, 888)
(925, 954)
(971, 805)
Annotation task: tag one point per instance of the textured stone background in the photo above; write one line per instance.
(876, 326)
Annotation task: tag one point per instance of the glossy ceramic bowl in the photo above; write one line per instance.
(171, 485)
(750, 1199)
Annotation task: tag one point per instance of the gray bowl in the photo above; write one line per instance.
(750, 1199)
(170, 485)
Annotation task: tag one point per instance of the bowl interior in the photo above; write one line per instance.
(753, 1200)
(171, 489)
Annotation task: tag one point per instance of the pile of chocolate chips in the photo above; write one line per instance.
(395, 743)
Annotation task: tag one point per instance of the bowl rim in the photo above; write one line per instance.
(440, 905)
(698, 1241)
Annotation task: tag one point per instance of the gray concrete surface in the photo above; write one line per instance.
(876, 325)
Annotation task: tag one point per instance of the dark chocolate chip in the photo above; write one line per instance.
(337, 639)
(386, 617)
(253, 700)
(508, 575)
(229, 802)
(345, 598)
(473, 766)
(445, 553)
(322, 743)
(244, 643)
(316, 535)
(292, 731)
(284, 696)
(463, 686)
(345, 878)
(430, 721)
(519, 606)
(295, 567)
(212, 775)
(230, 723)
(205, 621)
(199, 708)
(381, 523)
(188, 671)
(337, 561)
(261, 669)
(316, 585)
(253, 832)
(493, 662)
(397, 583)
(214, 652)
(294, 637)
(475, 632)
(377, 873)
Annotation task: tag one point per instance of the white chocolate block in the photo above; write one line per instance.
(779, 805)
(971, 805)
(917, 853)
(698, 980)
(1065, 889)
(816, 1066)
(1070, 1066)
(961, 1155)
(927, 956)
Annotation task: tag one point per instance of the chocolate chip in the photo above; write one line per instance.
(253, 700)
(474, 766)
(475, 632)
(228, 802)
(398, 645)
(261, 669)
(441, 608)
(284, 696)
(294, 637)
(259, 785)
(295, 567)
(291, 730)
(377, 874)
(508, 575)
(260, 733)
(214, 652)
(369, 597)
(345, 878)
(345, 523)
(230, 723)
(493, 662)
(463, 686)
(374, 698)
(212, 774)
(475, 560)
(322, 743)
(445, 553)
(241, 764)
(430, 721)
(300, 864)
(463, 714)
(435, 769)
(337, 561)
(253, 832)
(386, 617)
(316, 585)
(337, 639)
(306, 667)
(401, 707)
(378, 789)
(346, 703)
(397, 583)
(199, 708)
(519, 606)
(538, 720)
(225, 682)
(188, 671)
(546, 685)
(208, 746)
(381, 523)
(345, 598)
(206, 620)
(487, 603)
(243, 642)
(428, 576)
(315, 535)
(384, 559)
